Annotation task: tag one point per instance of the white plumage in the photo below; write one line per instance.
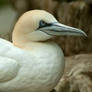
(31, 63)
(26, 71)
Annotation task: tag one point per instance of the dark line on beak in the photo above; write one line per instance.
(59, 32)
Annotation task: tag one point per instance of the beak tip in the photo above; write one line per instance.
(84, 34)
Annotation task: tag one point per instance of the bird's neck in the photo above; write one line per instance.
(30, 45)
(22, 41)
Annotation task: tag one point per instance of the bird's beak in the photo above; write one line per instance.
(58, 29)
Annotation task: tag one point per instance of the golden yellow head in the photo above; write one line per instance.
(39, 25)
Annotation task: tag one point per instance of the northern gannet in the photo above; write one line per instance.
(32, 63)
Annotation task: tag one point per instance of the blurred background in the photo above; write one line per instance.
(76, 13)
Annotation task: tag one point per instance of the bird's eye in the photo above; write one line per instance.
(42, 24)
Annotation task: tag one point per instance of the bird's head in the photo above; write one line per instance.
(39, 25)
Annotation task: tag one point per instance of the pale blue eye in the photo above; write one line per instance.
(42, 24)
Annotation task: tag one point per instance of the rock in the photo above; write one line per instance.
(78, 74)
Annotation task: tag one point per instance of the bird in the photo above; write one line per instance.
(31, 62)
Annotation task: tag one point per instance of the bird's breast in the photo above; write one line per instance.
(40, 73)
(48, 65)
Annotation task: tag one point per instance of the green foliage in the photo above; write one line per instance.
(3, 2)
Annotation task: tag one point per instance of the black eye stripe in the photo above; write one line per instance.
(44, 24)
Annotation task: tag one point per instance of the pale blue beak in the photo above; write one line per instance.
(58, 29)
